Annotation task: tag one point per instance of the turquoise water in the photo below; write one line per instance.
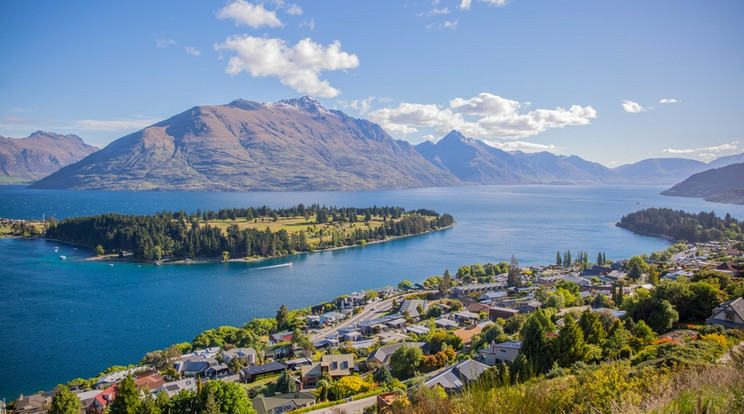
(62, 319)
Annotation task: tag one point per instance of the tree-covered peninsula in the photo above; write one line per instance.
(243, 232)
(680, 225)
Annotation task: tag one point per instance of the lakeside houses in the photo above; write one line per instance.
(382, 355)
(466, 290)
(729, 314)
(249, 374)
(412, 306)
(249, 354)
(336, 366)
(282, 403)
(457, 376)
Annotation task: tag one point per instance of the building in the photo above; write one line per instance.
(529, 306)
(382, 355)
(283, 403)
(503, 313)
(336, 366)
(503, 352)
(249, 374)
(457, 376)
(173, 388)
(249, 354)
(729, 314)
(477, 288)
(412, 307)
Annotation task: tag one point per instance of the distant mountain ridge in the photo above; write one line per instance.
(724, 185)
(290, 145)
(25, 160)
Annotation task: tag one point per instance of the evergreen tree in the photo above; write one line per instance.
(65, 402)
(535, 341)
(569, 346)
(558, 261)
(446, 284)
(127, 397)
(282, 316)
(567, 258)
(163, 402)
(382, 376)
(514, 279)
(285, 384)
(230, 396)
(599, 259)
(592, 328)
(148, 406)
(210, 403)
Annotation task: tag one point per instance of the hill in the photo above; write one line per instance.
(473, 161)
(725, 185)
(659, 170)
(287, 145)
(24, 160)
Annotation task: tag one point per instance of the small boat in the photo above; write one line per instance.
(63, 257)
(56, 249)
(111, 265)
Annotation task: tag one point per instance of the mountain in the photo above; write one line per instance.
(287, 145)
(473, 161)
(24, 160)
(659, 170)
(727, 160)
(725, 185)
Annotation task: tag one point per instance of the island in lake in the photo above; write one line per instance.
(241, 233)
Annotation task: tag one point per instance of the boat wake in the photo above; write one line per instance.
(274, 266)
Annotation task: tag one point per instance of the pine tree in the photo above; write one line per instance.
(558, 261)
(446, 283)
(569, 346)
(282, 316)
(599, 259)
(592, 328)
(514, 279)
(285, 384)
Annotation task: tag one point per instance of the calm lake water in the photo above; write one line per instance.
(65, 319)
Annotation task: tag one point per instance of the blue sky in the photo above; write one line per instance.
(612, 82)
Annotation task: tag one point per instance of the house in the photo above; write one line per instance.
(412, 307)
(328, 342)
(283, 403)
(249, 354)
(479, 308)
(457, 376)
(174, 387)
(467, 333)
(490, 297)
(102, 400)
(498, 312)
(284, 336)
(86, 398)
(331, 317)
(386, 399)
(729, 267)
(477, 288)
(248, 374)
(336, 366)
(390, 337)
(376, 325)
(445, 323)
(729, 314)
(396, 323)
(151, 380)
(276, 352)
(351, 336)
(529, 306)
(502, 352)
(465, 316)
(193, 368)
(217, 371)
(382, 355)
(36, 403)
(417, 329)
(117, 376)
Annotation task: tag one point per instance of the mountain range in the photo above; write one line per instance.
(297, 144)
(288, 145)
(25, 160)
(724, 185)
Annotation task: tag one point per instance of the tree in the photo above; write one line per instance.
(285, 384)
(534, 344)
(236, 364)
(210, 403)
(405, 285)
(636, 267)
(592, 328)
(127, 397)
(558, 261)
(644, 332)
(282, 316)
(405, 360)
(65, 402)
(225, 256)
(653, 275)
(569, 346)
(446, 284)
(183, 402)
(100, 251)
(148, 406)
(230, 396)
(515, 277)
(382, 376)
(567, 258)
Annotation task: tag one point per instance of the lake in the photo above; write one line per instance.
(62, 319)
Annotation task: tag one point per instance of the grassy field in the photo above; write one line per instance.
(24, 228)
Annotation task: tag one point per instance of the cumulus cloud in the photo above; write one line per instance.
(669, 101)
(249, 14)
(113, 125)
(293, 9)
(193, 51)
(362, 105)
(297, 66)
(704, 151)
(162, 42)
(633, 107)
(310, 24)
(465, 4)
(482, 116)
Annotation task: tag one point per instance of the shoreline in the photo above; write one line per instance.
(210, 260)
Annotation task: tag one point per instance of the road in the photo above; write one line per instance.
(372, 310)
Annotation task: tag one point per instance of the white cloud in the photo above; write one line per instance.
(115, 125)
(193, 51)
(449, 24)
(293, 9)
(310, 24)
(465, 4)
(362, 105)
(632, 107)
(495, 117)
(297, 66)
(704, 151)
(435, 12)
(520, 146)
(249, 14)
(164, 42)
(669, 101)
(16, 120)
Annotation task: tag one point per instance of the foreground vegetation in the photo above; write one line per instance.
(238, 233)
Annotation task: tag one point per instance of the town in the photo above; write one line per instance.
(389, 349)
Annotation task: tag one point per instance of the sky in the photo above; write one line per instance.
(610, 81)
